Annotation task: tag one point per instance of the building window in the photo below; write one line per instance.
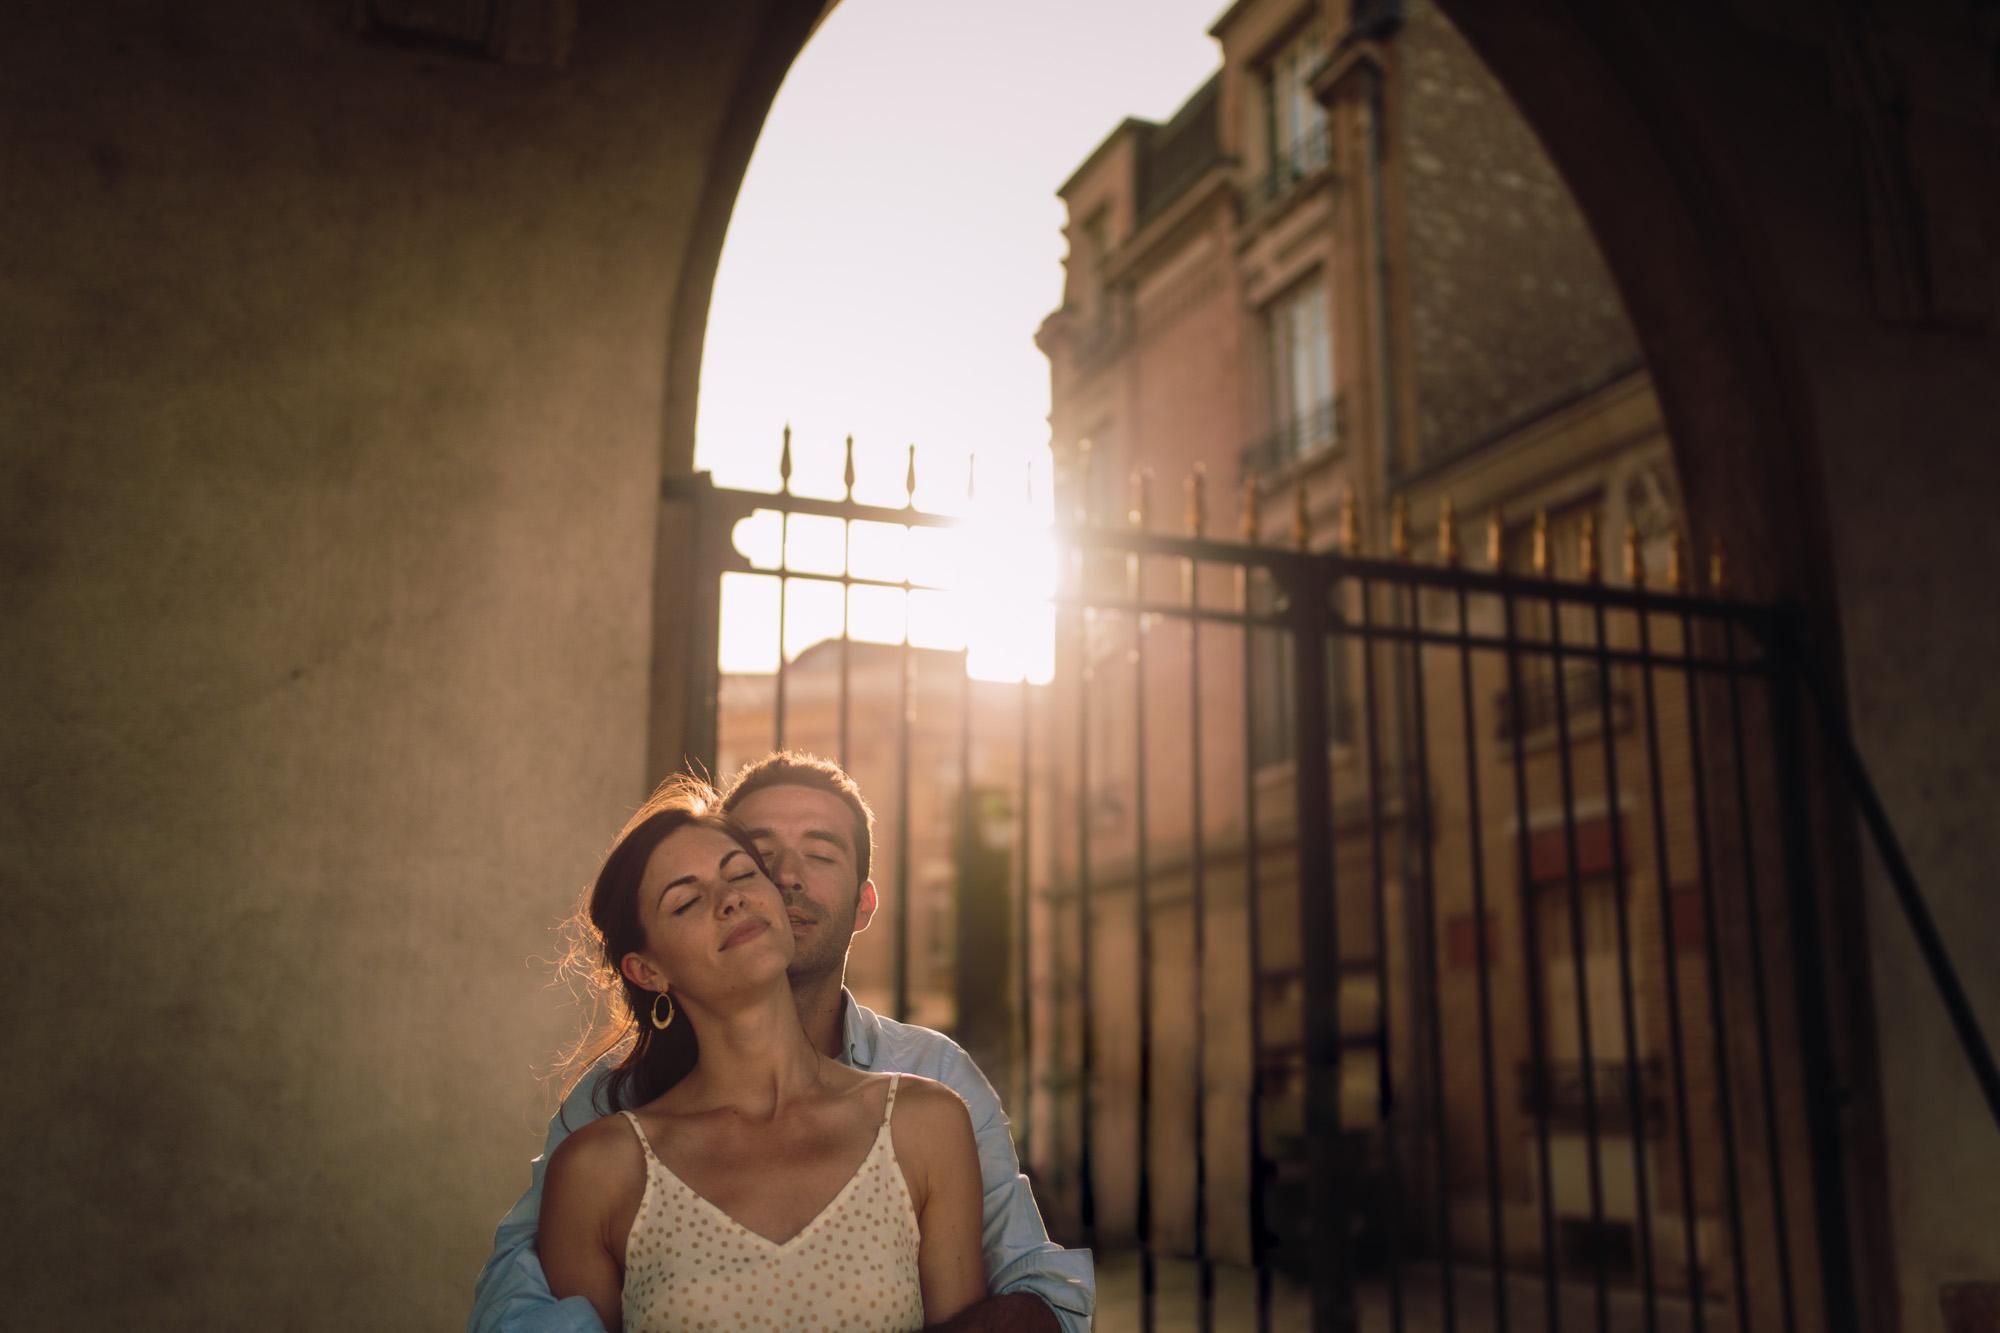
(1301, 350)
(1296, 130)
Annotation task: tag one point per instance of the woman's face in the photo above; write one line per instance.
(714, 923)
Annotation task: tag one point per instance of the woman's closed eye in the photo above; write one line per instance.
(693, 898)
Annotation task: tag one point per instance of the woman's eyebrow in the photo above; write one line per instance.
(670, 886)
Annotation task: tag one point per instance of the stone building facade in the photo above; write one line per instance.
(1344, 279)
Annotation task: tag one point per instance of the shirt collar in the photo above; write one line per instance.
(860, 1030)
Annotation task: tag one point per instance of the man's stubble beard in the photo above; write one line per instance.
(823, 953)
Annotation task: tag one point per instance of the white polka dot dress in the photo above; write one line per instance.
(690, 1267)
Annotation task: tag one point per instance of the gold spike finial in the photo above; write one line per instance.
(1301, 517)
(1250, 511)
(1142, 495)
(1676, 560)
(910, 480)
(1718, 568)
(1350, 522)
(849, 474)
(1197, 500)
(1399, 529)
(1496, 540)
(1541, 551)
(785, 461)
(1635, 568)
(1588, 544)
(1447, 534)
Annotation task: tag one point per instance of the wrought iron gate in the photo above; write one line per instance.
(1480, 985)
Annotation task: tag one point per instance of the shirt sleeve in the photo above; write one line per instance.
(512, 1294)
(1020, 1257)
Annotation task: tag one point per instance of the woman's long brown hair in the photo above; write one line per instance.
(606, 927)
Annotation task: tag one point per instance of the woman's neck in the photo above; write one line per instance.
(755, 1058)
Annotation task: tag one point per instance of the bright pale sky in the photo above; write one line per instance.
(895, 245)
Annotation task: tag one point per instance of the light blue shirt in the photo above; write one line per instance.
(513, 1293)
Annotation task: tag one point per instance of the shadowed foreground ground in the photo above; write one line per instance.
(1177, 1309)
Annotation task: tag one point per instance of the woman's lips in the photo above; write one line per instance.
(755, 926)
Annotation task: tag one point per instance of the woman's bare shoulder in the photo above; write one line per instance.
(603, 1152)
(928, 1105)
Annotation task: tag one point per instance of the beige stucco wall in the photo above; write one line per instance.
(331, 395)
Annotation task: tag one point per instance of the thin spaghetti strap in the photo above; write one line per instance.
(646, 1144)
(888, 1107)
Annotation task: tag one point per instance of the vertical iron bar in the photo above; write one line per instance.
(1792, 776)
(1579, 968)
(1142, 902)
(1253, 918)
(904, 717)
(905, 709)
(1711, 939)
(846, 599)
(778, 698)
(1087, 1198)
(1634, 1105)
(1386, 1092)
(1823, 1091)
(1319, 933)
(1670, 943)
(965, 818)
(784, 565)
(1426, 871)
(841, 751)
(1024, 1082)
(1198, 897)
(846, 669)
(1531, 936)
(1475, 832)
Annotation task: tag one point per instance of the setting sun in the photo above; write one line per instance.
(883, 277)
(985, 586)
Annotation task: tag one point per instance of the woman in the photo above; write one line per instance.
(749, 1181)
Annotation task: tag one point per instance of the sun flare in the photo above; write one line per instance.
(984, 586)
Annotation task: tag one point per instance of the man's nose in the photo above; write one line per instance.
(785, 870)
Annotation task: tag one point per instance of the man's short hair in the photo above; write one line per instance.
(797, 768)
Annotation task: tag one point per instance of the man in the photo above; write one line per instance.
(817, 836)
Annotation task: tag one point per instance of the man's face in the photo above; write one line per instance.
(806, 837)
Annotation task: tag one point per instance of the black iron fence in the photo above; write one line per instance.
(1251, 1013)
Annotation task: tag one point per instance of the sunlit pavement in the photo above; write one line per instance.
(1176, 1308)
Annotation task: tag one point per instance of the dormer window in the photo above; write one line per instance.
(1295, 122)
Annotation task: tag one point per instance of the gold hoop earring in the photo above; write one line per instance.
(663, 1023)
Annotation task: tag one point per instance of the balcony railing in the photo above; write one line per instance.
(1298, 438)
(1290, 165)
